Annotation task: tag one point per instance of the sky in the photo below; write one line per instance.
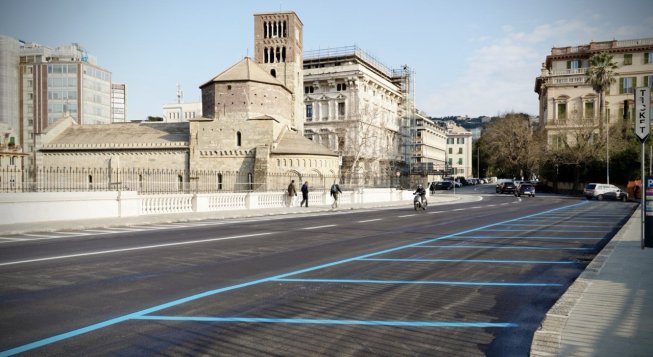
(468, 57)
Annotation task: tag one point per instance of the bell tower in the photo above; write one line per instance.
(278, 47)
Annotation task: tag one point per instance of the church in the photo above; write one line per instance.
(249, 138)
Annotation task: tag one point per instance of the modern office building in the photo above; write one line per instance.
(567, 102)
(40, 85)
(119, 103)
(181, 111)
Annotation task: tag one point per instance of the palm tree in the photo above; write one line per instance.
(600, 75)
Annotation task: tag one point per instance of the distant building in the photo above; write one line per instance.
(11, 160)
(49, 84)
(459, 150)
(119, 103)
(356, 106)
(429, 150)
(567, 102)
(180, 111)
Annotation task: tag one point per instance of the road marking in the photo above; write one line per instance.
(498, 247)
(328, 321)
(434, 212)
(529, 237)
(141, 313)
(492, 261)
(318, 227)
(131, 249)
(370, 220)
(406, 215)
(14, 239)
(416, 282)
(41, 235)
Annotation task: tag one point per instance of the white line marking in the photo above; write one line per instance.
(317, 227)
(41, 236)
(408, 215)
(13, 239)
(458, 209)
(131, 249)
(370, 220)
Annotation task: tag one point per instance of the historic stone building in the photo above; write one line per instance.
(249, 137)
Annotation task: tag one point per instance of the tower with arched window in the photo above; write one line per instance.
(278, 47)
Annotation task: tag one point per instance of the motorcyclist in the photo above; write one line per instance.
(421, 191)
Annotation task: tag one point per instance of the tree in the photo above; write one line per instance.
(516, 149)
(600, 75)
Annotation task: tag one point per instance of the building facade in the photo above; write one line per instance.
(39, 84)
(459, 150)
(567, 103)
(119, 103)
(357, 106)
(429, 153)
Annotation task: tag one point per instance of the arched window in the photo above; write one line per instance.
(220, 182)
(140, 182)
(265, 29)
(283, 54)
(285, 28)
(180, 182)
(273, 72)
(250, 181)
(238, 139)
(12, 161)
(277, 58)
(90, 182)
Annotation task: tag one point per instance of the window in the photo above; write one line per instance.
(308, 89)
(460, 150)
(341, 87)
(574, 64)
(273, 72)
(450, 150)
(628, 59)
(460, 161)
(627, 84)
(341, 109)
(309, 111)
(648, 81)
(562, 111)
(589, 110)
(238, 139)
(648, 57)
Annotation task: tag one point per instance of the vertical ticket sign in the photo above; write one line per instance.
(642, 130)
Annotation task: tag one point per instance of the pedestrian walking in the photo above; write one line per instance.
(304, 190)
(292, 193)
(335, 191)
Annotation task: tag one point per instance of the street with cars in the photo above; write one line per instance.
(471, 278)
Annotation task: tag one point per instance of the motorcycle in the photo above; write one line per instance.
(417, 202)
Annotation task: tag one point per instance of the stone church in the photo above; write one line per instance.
(249, 138)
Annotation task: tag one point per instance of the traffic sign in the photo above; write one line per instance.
(642, 112)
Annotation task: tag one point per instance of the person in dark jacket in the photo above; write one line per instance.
(304, 194)
(292, 193)
(335, 191)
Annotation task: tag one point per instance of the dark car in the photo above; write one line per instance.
(444, 185)
(525, 188)
(506, 187)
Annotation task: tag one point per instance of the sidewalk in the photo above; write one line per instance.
(608, 310)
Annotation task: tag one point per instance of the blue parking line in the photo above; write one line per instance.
(415, 282)
(529, 237)
(490, 261)
(499, 247)
(138, 314)
(331, 322)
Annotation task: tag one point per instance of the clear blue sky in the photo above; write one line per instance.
(469, 57)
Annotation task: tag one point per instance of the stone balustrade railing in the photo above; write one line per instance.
(58, 206)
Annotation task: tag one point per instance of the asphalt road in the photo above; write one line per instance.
(467, 279)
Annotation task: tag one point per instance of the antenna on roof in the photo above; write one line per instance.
(180, 94)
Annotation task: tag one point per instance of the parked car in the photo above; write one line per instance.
(602, 191)
(525, 188)
(444, 185)
(506, 187)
